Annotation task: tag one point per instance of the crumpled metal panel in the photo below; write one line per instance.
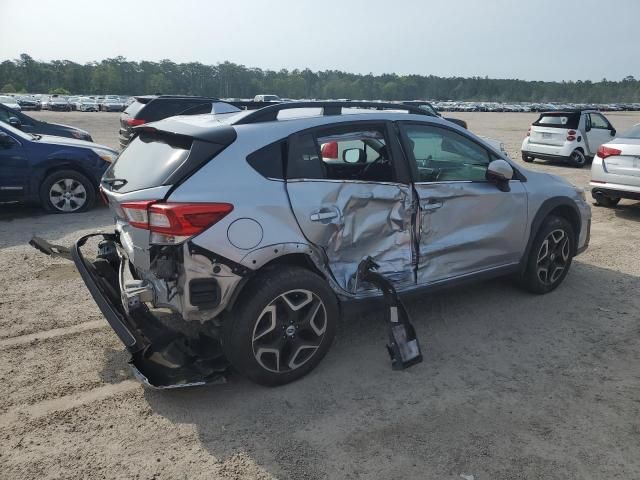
(369, 219)
(475, 228)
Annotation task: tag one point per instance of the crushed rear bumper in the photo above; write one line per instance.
(162, 354)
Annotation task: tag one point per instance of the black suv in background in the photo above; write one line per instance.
(151, 108)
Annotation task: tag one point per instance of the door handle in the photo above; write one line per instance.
(429, 207)
(323, 214)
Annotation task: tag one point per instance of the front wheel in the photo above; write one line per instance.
(67, 191)
(577, 159)
(282, 326)
(550, 256)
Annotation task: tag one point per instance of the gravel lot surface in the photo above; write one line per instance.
(512, 385)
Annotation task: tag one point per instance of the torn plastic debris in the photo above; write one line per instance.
(403, 347)
(162, 356)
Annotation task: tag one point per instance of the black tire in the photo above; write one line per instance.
(577, 159)
(78, 200)
(604, 200)
(558, 255)
(264, 321)
(527, 158)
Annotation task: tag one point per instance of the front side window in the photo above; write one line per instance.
(598, 121)
(341, 153)
(443, 155)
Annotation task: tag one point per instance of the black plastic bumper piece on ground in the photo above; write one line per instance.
(161, 356)
(403, 346)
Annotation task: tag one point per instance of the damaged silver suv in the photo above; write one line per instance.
(238, 235)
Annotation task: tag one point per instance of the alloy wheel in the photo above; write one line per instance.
(289, 331)
(67, 195)
(553, 256)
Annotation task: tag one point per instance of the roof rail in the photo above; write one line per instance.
(270, 113)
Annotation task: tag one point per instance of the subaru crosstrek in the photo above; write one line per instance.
(237, 236)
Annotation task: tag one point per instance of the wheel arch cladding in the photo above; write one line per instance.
(559, 206)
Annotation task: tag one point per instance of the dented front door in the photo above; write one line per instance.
(348, 212)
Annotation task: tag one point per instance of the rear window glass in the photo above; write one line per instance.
(558, 120)
(134, 108)
(164, 108)
(148, 161)
(634, 132)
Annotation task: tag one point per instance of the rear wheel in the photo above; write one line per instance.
(527, 158)
(605, 200)
(282, 326)
(577, 159)
(550, 256)
(67, 191)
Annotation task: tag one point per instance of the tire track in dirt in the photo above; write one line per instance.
(67, 402)
(55, 332)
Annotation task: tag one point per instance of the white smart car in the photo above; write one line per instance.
(571, 136)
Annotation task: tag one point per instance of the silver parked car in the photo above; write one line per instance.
(238, 235)
(615, 171)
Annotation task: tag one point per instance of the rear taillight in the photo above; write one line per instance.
(604, 152)
(571, 132)
(571, 138)
(171, 223)
(134, 122)
(529, 132)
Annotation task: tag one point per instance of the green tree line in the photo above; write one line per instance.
(121, 76)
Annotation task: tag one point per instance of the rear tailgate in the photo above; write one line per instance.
(548, 135)
(146, 171)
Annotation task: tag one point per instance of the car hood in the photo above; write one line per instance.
(72, 142)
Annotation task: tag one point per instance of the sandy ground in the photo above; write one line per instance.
(513, 386)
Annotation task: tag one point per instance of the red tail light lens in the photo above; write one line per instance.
(571, 138)
(529, 132)
(174, 222)
(185, 219)
(330, 150)
(571, 132)
(604, 152)
(134, 122)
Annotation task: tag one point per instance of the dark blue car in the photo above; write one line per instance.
(61, 174)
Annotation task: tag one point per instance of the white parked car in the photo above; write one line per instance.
(85, 104)
(267, 98)
(570, 136)
(10, 102)
(615, 172)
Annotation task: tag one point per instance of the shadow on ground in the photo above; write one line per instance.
(512, 386)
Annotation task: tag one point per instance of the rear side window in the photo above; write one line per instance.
(558, 120)
(269, 160)
(148, 161)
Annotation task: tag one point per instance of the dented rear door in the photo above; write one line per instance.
(348, 212)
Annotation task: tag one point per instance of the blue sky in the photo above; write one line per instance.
(532, 40)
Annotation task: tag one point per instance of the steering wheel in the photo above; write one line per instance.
(380, 159)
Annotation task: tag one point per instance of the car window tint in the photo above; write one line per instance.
(443, 155)
(598, 121)
(349, 152)
(5, 115)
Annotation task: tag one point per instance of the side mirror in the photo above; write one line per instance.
(613, 132)
(500, 172)
(5, 140)
(354, 155)
(587, 128)
(15, 122)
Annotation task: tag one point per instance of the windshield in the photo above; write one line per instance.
(14, 131)
(633, 132)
